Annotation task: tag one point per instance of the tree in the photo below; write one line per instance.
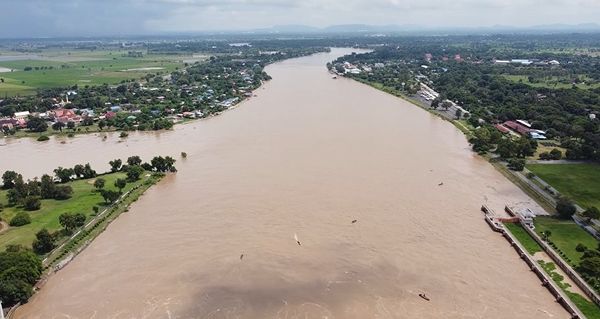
(99, 183)
(78, 170)
(565, 208)
(47, 187)
(32, 203)
(115, 165)
(88, 172)
(20, 219)
(33, 188)
(71, 125)
(555, 154)
(101, 124)
(590, 266)
(580, 248)
(516, 164)
(64, 174)
(13, 197)
(87, 121)
(70, 222)
(436, 103)
(36, 124)
(44, 242)
(458, 113)
(506, 148)
(20, 188)
(120, 183)
(58, 126)
(109, 196)
(63, 192)
(134, 160)
(161, 164)
(20, 269)
(446, 105)
(591, 213)
(134, 173)
(8, 179)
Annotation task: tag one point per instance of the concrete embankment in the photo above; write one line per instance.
(580, 282)
(558, 294)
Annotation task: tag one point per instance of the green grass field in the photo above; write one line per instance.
(83, 200)
(566, 235)
(580, 182)
(553, 83)
(523, 237)
(81, 68)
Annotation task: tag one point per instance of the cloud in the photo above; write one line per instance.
(23, 18)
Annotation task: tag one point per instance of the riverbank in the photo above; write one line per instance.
(68, 248)
(305, 157)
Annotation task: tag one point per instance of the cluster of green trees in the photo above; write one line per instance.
(79, 171)
(487, 138)
(29, 194)
(70, 221)
(20, 269)
(26, 194)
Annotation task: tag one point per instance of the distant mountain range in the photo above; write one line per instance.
(411, 28)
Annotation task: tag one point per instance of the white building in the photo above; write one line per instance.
(21, 115)
(524, 123)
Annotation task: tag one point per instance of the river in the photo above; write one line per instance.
(303, 159)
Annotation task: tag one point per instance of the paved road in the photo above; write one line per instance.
(564, 161)
(542, 191)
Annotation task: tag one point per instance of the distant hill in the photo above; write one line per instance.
(411, 28)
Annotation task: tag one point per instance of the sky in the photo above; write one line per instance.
(55, 18)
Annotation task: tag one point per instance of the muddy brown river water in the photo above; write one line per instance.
(303, 159)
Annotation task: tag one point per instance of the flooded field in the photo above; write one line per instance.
(258, 222)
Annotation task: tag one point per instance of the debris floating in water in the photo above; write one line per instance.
(297, 241)
(241, 256)
(354, 221)
(424, 297)
(441, 183)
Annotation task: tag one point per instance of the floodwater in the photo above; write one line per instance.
(299, 162)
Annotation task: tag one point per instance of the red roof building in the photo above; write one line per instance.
(110, 115)
(502, 128)
(517, 127)
(65, 115)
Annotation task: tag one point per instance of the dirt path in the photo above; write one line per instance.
(3, 227)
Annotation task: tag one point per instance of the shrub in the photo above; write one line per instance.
(63, 192)
(580, 248)
(43, 138)
(20, 219)
(565, 208)
(516, 164)
(32, 203)
(530, 175)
